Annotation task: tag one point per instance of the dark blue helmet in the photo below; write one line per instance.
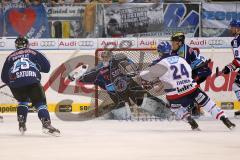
(235, 23)
(164, 47)
(21, 42)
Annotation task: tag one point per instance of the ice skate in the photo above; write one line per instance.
(227, 122)
(193, 124)
(1, 118)
(22, 125)
(49, 129)
(237, 114)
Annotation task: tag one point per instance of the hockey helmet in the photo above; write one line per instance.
(21, 42)
(234, 23)
(164, 48)
(179, 37)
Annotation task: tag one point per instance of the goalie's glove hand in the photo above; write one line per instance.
(228, 68)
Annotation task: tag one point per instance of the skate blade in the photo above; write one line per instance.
(232, 128)
(22, 132)
(196, 129)
(55, 134)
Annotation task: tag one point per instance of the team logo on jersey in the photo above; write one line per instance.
(172, 60)
(120, 84)
(185, 88)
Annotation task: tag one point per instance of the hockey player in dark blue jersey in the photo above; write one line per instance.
(21, 72)
(235, 64)
(198, 63)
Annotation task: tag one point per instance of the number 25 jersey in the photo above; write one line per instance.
(23, 67)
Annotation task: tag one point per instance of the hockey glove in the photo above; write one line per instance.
(228, 68)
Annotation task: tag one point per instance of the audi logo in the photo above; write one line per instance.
(47, 43)
(216, 42)
(85, 43)
(2, 44)
(126, 44)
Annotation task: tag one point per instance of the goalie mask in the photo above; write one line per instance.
(21, 42)
(106, 57)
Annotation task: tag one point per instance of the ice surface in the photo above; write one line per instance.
(119, 140)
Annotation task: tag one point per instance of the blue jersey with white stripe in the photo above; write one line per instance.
(23, 67)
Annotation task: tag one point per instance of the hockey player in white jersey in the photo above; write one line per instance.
(181, 90)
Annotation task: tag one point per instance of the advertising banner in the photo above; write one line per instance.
(216, 18)
(1, 21)
(72, 20)
(121, 20)
(71, 96)
(31, 22)
(7, 43)
(180, 17)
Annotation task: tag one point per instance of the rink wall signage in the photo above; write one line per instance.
(59, 89)
(94, 43)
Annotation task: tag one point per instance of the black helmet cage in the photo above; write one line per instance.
(21, 42)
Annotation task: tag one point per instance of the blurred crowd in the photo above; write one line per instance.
(57, 2)
(54, 2)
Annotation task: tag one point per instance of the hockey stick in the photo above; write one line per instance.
(218, 73)
(4, 85)
(6, 94)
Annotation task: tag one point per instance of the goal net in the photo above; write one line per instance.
(142, 58)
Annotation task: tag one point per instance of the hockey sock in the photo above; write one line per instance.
(213, 109)
(43, 112)
(22, 110)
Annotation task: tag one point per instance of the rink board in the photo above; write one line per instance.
(59, 89)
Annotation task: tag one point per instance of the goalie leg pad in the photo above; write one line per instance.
(123, 113)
